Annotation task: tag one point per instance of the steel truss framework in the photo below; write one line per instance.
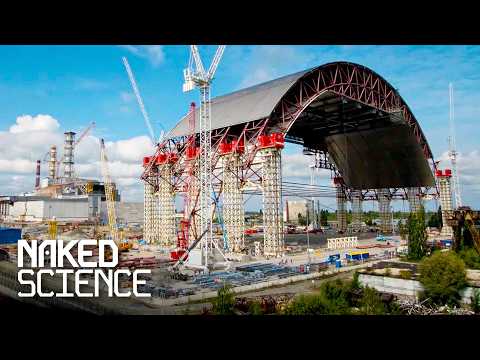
(385, 211)
(233, 209)
(167, 233)
(346, 80)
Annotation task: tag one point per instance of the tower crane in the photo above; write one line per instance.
(202, 79)
(141, 105)
(452, 153)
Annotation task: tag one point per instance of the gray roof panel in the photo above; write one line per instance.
(242, 106)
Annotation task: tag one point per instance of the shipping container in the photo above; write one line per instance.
(10, 235)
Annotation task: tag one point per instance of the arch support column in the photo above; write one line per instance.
(272, 207)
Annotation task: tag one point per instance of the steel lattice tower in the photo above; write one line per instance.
(414, 199)
(272, 211)
(385, 211)
(357, 211)
(341, 205)
(166, 205)
(148, 212)
(233, 211)
(205, 169)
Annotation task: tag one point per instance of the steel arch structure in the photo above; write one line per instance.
(316, 108)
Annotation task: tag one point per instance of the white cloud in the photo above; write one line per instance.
(26, 123)
(153, 53)
(30, 138)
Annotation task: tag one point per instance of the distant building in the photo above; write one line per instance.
(293, 208)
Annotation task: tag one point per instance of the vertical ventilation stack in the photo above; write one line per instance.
(52, 163)
(37, 175)
(68, 154)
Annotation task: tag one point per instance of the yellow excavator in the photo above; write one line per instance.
(116, 234)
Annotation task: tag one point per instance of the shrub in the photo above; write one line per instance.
(224, 302)
(371, 303)
(443, 276)
(388, 272)
(471, 258)
(406, 274)
(475, 301)
(307, 305)
(255, 308)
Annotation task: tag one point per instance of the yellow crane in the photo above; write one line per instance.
(117, 236)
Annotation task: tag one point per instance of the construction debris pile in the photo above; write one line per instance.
(412, 307)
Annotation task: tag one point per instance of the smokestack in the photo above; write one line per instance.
(52, 163)
(68, 154)
(37, 175)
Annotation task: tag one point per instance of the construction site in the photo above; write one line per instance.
(347, 119)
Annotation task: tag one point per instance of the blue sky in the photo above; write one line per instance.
(79, 84)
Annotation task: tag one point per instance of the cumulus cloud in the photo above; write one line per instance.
(30, 138)
(153, 53)
(27, 123)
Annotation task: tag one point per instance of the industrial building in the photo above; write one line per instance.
(64, 197)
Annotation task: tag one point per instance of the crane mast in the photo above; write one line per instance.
(453, 151)
(109, 194)
(201, 79)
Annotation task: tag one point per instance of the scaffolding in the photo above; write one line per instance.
(357, 211)
(414, 199)
(272, 213)
(233, 210)
(341, 205)
(166, 207)
(445, 190)
(386, 226)
(150, 210)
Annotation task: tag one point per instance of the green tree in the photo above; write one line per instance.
(443, 276)
(417, 235)
(324, 217)
(301, 220)
(470, 257)
(371, 303)
(224, 302)
(434, 220)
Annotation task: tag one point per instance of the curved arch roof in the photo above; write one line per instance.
(249, 104)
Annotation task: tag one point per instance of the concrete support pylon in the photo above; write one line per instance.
(444, 186)
(414, 199)
(272, 206)
(341, 205)
(233, 210)
(357, 211)
(166, 207)
(385, 211)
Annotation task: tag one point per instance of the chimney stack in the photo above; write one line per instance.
(37, 175)
(68, 154)
(52, 163)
